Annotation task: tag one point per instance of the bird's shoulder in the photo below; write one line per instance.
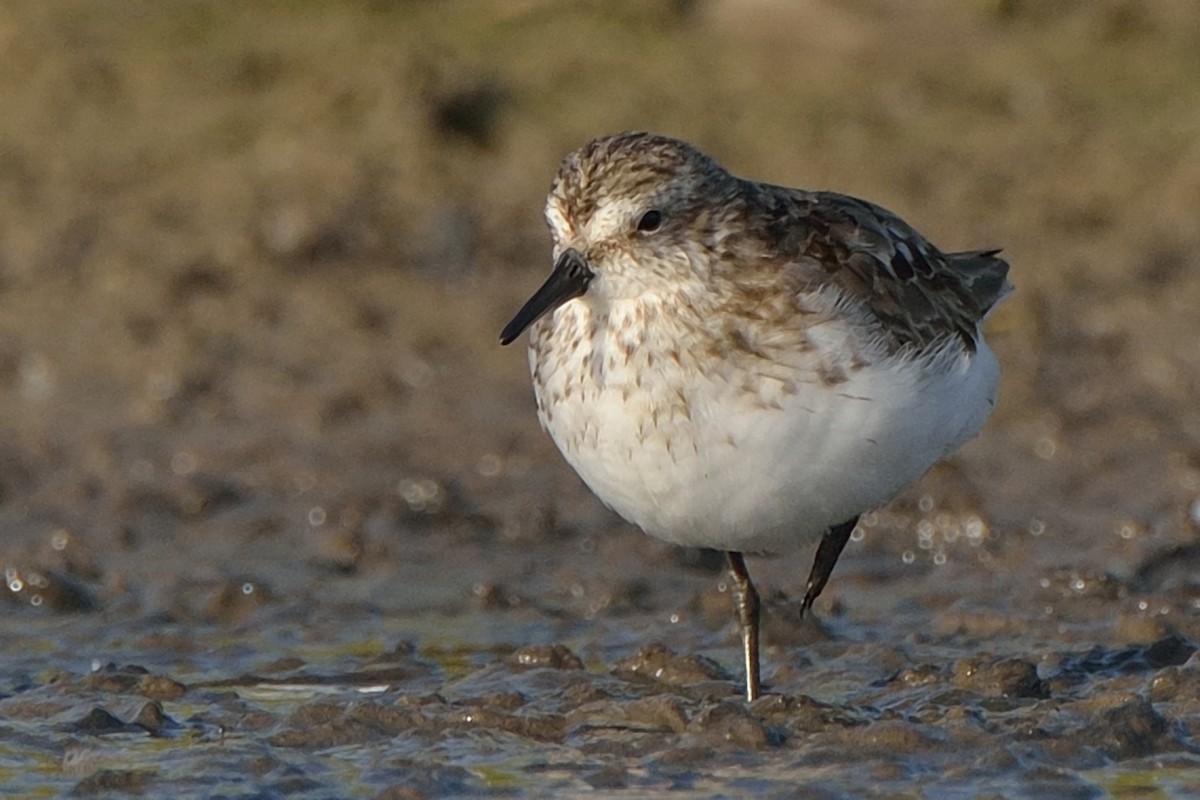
(918, 293)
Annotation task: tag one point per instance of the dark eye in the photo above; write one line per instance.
(650, 221)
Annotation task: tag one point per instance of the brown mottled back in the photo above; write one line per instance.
(917, 292)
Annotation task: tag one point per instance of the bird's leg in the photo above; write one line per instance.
(745, 603)
(832, 544)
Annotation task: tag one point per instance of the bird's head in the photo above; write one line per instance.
(629, 215)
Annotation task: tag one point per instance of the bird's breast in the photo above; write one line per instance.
(736, 439)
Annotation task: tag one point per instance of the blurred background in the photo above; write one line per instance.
(255, 257)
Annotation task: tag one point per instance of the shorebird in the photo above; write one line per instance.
(747, 367)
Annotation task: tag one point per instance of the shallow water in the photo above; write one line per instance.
(611, 670)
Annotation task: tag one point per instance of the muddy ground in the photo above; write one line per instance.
(276, 516)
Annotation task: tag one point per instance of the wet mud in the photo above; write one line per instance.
(276, 519)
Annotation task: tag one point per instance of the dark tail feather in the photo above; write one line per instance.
(986, 276)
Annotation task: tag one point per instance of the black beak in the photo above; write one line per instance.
(570, 279)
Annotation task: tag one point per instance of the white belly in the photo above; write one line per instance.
(712, 457)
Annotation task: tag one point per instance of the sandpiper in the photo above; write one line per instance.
(747, 367)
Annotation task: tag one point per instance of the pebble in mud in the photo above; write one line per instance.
(500, 701)
(1169, 651)
(1007, 677)
(800, 714)
(99, 722)
(657, 663)
(1130, 730)
(153, 719)
(580, 693)
(540, 727)
(545, 657)
(920, 675)
(657, 712)
(730, 724)
(643, 725)
(317, 712)
(150, 718)
(1177, 684)
(391, 719)
(337, 733)
(132, 679)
